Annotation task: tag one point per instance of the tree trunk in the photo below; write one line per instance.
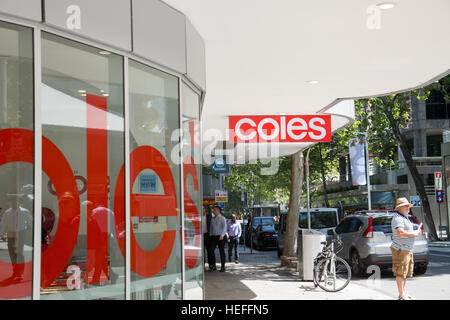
(290, 240)
(324, 182)
(418, 181)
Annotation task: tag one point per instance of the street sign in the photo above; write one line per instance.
(438, 181)
(220, 166)
(415, 201)
(221, 196)
(439, 196)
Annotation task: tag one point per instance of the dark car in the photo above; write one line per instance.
(265, 236)
(253, 224)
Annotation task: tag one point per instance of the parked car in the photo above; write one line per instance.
(265, 236)
(322, 219)
(253, 224)
(367, 238)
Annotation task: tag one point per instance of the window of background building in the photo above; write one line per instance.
(434, 145)
(436, 108)
(16, 161)
(156, 260)
(192, 171)
(402, 179)
(83, 142)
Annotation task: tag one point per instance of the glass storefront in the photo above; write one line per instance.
(84, 159)
(190, 102)
(16, 161)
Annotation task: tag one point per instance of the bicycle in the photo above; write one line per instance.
(331, 273)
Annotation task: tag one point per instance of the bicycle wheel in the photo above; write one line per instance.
(332, 277)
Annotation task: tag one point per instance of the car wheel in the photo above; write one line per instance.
(420, 269)
(357, 267)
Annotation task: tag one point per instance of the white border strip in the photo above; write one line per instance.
(127, 182)
(37, 164)
(180, 137)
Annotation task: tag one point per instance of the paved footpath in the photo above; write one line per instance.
(260, 277)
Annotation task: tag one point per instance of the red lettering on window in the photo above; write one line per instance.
(191, 211)
(147, 263)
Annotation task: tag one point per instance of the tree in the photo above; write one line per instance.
(290, 241)
(384, 118)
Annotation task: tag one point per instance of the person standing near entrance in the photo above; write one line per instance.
(234, 232)
(403, 235)
(206, 224)
(217, 233)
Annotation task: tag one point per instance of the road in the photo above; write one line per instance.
(433, 285)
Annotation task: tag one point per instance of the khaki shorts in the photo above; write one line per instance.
(402, 263)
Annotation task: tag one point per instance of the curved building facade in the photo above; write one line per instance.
(100, 152)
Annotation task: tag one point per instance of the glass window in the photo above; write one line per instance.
(192, 170)
(382, 224)
(156, 260)
(344, 226)
(82, 157)
(355, 224)
(16, 161)
(319, 220)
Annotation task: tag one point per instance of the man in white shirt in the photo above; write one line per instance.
(217, 233)
(15, 221)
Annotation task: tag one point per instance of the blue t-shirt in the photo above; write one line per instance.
(401, 221)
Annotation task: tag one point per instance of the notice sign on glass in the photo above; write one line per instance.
(148, 183)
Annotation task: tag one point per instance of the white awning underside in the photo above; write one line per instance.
(260, 54)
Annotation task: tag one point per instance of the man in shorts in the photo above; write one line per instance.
(403, 235)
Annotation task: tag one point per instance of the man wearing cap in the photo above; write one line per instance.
(403, 235)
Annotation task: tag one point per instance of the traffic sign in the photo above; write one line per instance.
(438, 181)
(439, 196)
(221, 196)
(415, 201)
(220, 166)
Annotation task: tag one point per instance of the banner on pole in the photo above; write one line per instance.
(357, 162)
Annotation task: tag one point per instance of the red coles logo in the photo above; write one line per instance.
(306, 128)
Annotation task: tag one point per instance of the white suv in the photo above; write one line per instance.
(367, 238)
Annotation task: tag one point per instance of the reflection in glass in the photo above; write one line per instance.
(16, 161)
(190, 106)
(155, 185)
(83, 126)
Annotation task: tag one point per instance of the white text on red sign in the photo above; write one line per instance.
(303, 128)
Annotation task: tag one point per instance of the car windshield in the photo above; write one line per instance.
(258, 221)
(268, 227)
(319, 220)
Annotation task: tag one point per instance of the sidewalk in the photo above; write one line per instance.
(260, 277)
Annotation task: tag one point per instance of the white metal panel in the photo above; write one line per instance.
(28, 9)
(97, 20)
(195, 56)
(159, 34)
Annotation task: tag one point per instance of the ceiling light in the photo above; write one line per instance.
(313, 81)
(386, 5)
(282, 113)
(83, 94)
(82, 91)
(104, 52)
(105, 94)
